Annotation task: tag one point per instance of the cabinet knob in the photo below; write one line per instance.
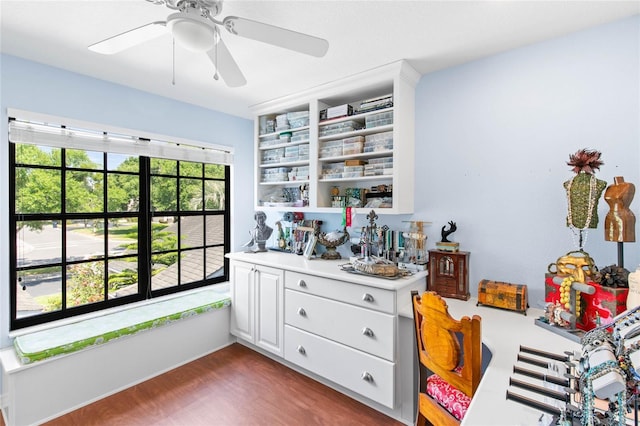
(302, 312)
(367, 332)
(301, 283)
(301, 350)
(367, 297)
(367, 377)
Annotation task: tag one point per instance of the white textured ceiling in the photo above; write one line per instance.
(431, 35)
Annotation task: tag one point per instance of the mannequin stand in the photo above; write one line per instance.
(620, 255)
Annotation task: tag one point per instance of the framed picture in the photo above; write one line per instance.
(311, 245)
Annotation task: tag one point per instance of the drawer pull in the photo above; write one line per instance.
(367, 332)
(367, 297)
(301, 350)
(302, 312)
(367, 377)
(301, 283)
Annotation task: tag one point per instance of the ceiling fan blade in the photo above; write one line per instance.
(226, 65)
(130, 38)
(277, 36)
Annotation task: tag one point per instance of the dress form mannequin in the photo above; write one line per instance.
(633, 298)
(620, 223)
(583, 193)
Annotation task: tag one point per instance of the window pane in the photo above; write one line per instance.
(190, 195)
(215, 229)
(37, 191)
(37, 155)
(123, 163)
(123, 192)
(215, 262)
(123, 236)
(85, 239)
(191, 266)
(84, 192)
(39, 290)
(85, 283)
(164, 237)
(190, 169)
(38, 243)
(164, 167)
(163, 194)
(164, 275)
(123, 277)
(80, 159)
(214, 195)
(191, 231)
(214, 171)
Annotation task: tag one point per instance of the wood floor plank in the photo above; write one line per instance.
(233, 386)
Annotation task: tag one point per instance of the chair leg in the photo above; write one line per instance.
(421, 420)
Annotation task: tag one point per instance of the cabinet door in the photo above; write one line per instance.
(269, 299)
(242, 318)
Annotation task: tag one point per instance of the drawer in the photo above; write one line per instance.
(364, 374)
(363, 329)
(356, 294)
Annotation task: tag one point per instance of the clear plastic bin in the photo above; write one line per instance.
(381, 119)
(352, 169)
(352, 148)
(381, 160)
(330, 152)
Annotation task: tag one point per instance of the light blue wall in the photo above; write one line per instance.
(492, 140)
(35, 87)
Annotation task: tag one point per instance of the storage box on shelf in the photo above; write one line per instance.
(371, 121)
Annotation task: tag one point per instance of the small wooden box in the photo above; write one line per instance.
(503, 295)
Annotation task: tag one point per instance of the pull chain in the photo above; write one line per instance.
(215, 76)
(173, 77)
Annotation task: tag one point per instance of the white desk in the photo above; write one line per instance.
(503, 332)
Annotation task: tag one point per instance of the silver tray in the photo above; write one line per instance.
(347, 267)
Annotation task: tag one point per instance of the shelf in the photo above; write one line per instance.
(361, 132)
(297, 129)
(285, 182)
(362, 156)
(357, 179)
(285, 164)
(282, 145)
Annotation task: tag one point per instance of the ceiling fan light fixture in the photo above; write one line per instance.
(193, 32)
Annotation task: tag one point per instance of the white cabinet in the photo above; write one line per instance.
(257, 299)
(344, 330)
(300, 167)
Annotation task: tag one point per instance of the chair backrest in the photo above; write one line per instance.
(438, 338)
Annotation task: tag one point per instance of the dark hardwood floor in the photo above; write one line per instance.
(233, 386)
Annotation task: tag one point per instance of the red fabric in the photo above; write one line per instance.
(453, 400)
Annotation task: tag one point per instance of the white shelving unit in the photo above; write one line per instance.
(274, 159)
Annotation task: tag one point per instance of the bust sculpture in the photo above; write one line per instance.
(260, 233)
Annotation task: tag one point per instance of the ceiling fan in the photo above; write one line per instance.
(195, 27)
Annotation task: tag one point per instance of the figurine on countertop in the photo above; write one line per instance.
(261, 233)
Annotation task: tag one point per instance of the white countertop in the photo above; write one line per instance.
(503, 332)
(325, 268)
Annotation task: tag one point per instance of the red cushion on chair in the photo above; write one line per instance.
(455, 401)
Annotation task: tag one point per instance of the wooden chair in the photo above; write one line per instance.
(453, 375)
